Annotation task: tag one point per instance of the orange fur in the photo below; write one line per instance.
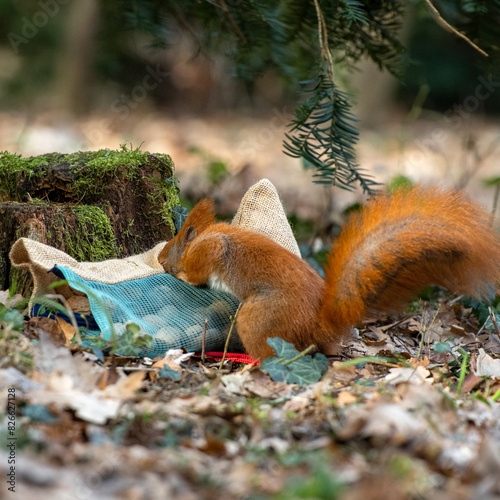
(392, 249)
(200, 218)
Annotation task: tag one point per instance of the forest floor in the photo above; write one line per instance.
(409, 409)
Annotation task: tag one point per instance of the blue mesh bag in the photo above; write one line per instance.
(171, 311)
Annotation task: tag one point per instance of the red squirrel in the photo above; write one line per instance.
(389, 251)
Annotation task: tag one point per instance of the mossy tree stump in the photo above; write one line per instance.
(92, 205)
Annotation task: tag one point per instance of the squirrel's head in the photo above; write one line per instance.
(171, 255)
(200, 218)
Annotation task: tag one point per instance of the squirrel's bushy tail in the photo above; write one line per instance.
(400, 243)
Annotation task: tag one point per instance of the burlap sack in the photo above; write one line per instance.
(260, 210)
(39, 259)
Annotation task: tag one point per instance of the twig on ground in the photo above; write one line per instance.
(494, 321)
(203, 342)
(233, 322)
(306, 351)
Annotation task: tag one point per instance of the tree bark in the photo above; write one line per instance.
(91, 213)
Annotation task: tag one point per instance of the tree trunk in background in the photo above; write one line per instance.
(376, 89)
(75, 67)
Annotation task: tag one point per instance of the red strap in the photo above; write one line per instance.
(235, 356)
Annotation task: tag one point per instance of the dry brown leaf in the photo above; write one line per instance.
(384, 423)
(67, 329)
(418, 375)
(422, 361)
(108, 377)
(436, 333)
(346, 398)
(470, 382)
(458, 331)
(126, 387)
(40, 324)
(263, 386)
(213, 446)
(339, 376)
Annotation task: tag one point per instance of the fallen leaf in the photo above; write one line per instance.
(301, 400)
(167, 362)
(340, 376)
(67, 329)
(108, 377)
(471, 381)
(486, 366)
(235, 382)
(10, 302)
(213, 446)
(40, 324)
(51, 359)
(263, 386)
(458, 330)
(178, 355)
(418, 375)
(126, 387)
(88, 407)
(346, 398)
(384, 423)
(421, 361)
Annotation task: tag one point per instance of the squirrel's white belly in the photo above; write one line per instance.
(215, 283)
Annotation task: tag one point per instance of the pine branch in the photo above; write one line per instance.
(325, 137)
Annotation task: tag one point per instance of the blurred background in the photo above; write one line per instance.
(79, 75)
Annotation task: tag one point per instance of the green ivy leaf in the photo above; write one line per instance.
(302, 371)
(167, 372)
(489, 322)
(125, 344)
(442, 347)
(275, 369)
(40, 413)
(98, 352)
(180, 214)
(11, 318)
(282, 349)
(308, 370)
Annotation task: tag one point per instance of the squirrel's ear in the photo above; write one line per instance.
(190, 234)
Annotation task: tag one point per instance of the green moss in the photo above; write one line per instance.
(96, 171)
(38, 201)
(94, 238)
(12, 165)
(93, 169)
(169, 192)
